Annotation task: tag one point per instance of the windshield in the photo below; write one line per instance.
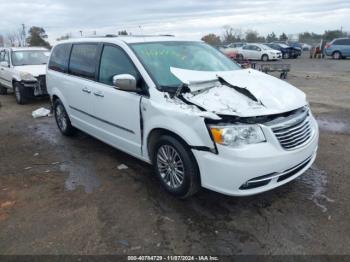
(265, 47)
(159, 57)
(38, 57)
(284, 46)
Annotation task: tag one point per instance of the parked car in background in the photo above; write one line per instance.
(231, 50)
(259, 52)
(23, 70)
(339, 48)
(306, 47)
(236, 45)
(287, 51)
(184, 107)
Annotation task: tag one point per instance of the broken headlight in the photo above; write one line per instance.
(237, 135)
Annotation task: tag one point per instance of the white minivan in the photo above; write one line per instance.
(195, 115)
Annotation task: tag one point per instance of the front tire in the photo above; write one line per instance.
(20, 93)
(285, 56)
(62, 119)
(176, 167)
(265, 58)
(3, 90)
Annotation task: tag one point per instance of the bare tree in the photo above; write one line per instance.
(2, 41)
(64, 37)
(231, 35)
(11, 38)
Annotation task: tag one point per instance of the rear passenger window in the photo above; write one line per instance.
(83, 60)
(114, 62)
(342, 42)
(59, 58)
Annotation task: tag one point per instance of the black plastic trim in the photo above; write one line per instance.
(102, 120)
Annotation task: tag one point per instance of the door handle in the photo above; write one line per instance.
(99, 93)
(2, 69)
(86, 90)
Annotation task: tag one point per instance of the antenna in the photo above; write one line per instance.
(142, 34)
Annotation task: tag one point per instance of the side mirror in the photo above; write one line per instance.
(4, 64)
(125, 82)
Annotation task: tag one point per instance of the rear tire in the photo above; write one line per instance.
(336, 55)
(175, 167)
(62, 119)
(265, 58)
(3, 90)
(21, 93)
(240, 57)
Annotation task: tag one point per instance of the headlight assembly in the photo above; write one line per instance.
(27, 77)
(237, 135)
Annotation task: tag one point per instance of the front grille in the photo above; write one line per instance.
(296, 134)
(40, 88)
(42, 82)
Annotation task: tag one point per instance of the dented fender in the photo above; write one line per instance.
(186, 121)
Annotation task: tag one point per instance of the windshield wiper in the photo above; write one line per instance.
(175, 90)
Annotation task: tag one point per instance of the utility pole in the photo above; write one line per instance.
(23, 35)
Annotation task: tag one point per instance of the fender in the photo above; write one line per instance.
(56, 92)
(190, 127)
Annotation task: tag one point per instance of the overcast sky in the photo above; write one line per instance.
(185, 18)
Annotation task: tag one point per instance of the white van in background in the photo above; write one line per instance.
(187, 109)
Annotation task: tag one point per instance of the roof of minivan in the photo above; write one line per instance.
(126, 39)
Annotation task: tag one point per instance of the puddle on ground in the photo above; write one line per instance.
(333, 125)
(316, 180)
(80, 175)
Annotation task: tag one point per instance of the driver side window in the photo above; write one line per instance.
(114, 61)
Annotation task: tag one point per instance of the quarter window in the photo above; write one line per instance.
(114, 61)
(83, 60)
(2, 56)
(59, 58)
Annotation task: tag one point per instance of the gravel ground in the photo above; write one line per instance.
(63, 195)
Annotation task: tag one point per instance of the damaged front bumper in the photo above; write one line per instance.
(256, 168)
(38, 87)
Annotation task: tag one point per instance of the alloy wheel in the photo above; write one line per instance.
(170, 166)
(61, 117)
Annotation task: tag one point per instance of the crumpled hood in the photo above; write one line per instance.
(34, 70)
(266, 94)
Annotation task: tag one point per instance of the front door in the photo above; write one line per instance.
(117, 111)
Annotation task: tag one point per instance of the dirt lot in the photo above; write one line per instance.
(63, 195)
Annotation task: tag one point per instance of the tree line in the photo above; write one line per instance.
(231, 35)
(36, 36)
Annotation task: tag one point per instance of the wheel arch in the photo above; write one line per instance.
(337, 51)
(157, 132)
(262, 56)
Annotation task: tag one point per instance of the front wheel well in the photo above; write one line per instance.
(156, 133)
(14, 81)
(54, 98)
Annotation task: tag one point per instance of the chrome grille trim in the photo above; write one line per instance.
(295, 133)
(278, 174)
